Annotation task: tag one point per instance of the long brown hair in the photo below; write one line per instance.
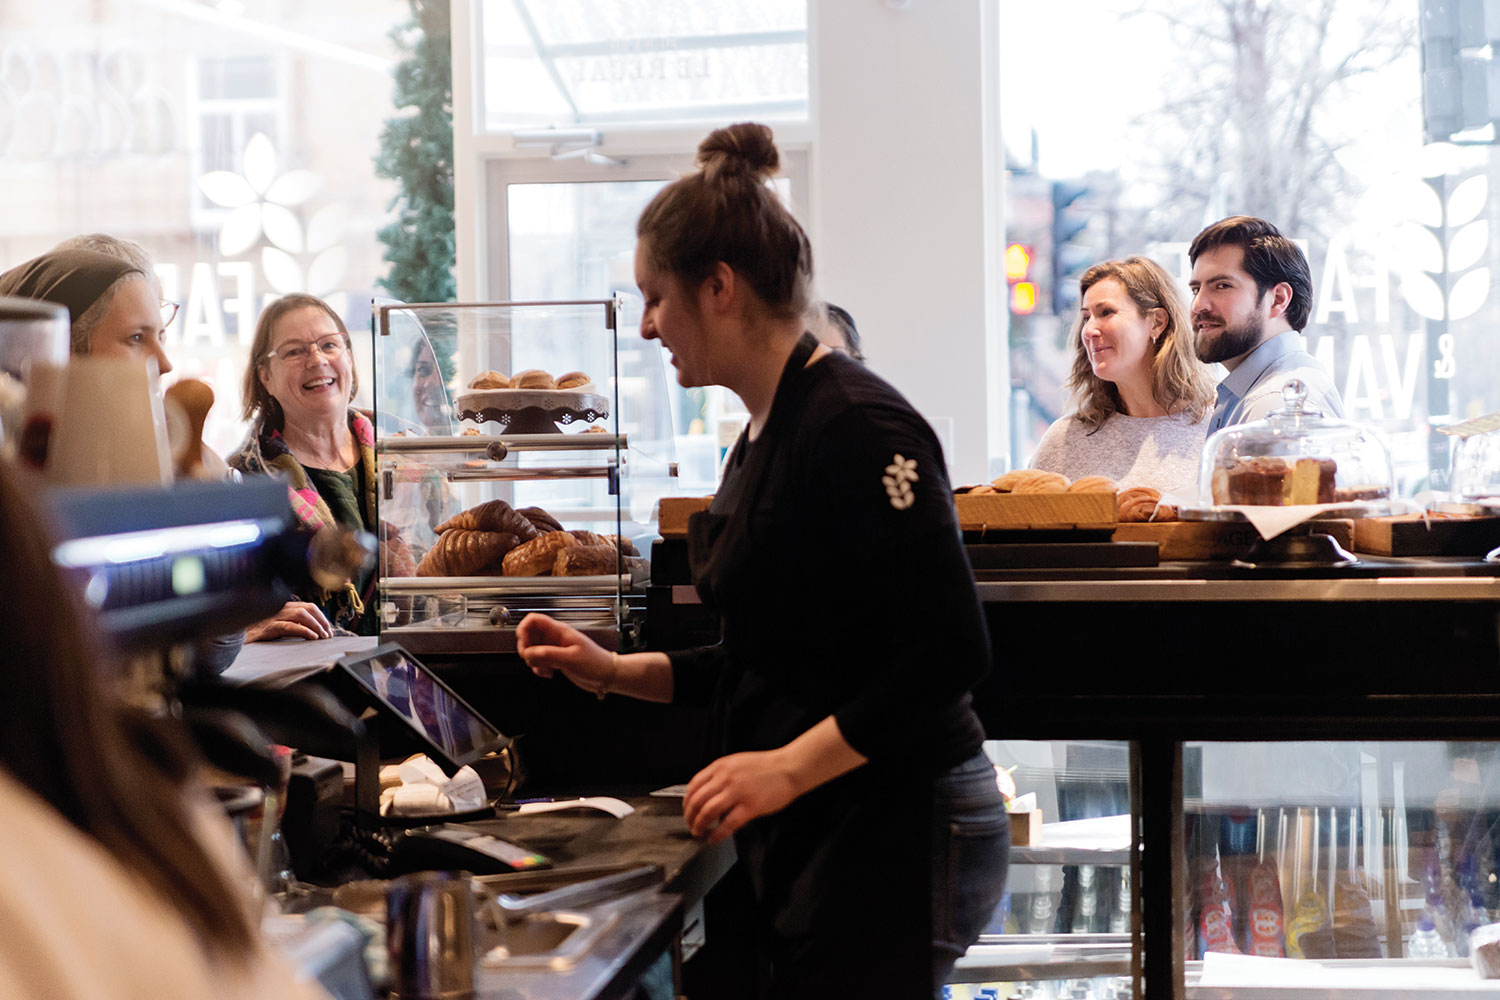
(256, 400)
(1179, 381)
(65, 733)
(726, 211)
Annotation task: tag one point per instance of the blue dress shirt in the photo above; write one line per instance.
(1253, 390)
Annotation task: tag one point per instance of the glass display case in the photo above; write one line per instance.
(1370, 862)
(522, 447)
(1063, 928)
(1314, 870)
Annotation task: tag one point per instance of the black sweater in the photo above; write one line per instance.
(846, 590)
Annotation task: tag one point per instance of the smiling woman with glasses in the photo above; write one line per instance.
(297, 392)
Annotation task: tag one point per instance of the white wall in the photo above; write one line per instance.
(906, 176)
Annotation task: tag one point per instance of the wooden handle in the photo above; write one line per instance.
(196, 399)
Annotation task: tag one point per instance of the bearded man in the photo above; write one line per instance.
(1252, 296)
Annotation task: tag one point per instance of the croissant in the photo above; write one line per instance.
(492, 515)
(463, 552)
(1041, 482)
(1138, 503)
(540, 519)
(536, 557)
(1093, 484)
(586, 560)
(589, 538)
(625, 545)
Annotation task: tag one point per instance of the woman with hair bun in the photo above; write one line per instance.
(849, 766)
(1143, 397)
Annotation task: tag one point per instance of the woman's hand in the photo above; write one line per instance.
(733, 790)
(549, 646)
(296, 619)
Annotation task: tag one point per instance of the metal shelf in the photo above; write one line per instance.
(1031, 957)
(506, 586)
(512, 442)
(1070, 856)
(542, 472)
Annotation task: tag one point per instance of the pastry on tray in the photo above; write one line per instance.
(540, 519)
(467, 552)
(573, 380)
(586, 560)
(533, 378)
(492, 515)
(1142, 503)
(1041, 482)
(537, 557)
(1093, 484)
(490, 380)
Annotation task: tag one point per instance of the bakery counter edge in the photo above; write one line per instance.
(1394, 588)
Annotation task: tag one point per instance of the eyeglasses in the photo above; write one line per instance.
(168, 313)
(295, 353)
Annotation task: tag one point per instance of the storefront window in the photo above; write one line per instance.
(1144, 122)
(236, 144)
(591, 61)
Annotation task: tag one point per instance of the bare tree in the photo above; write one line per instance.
(1259, 111)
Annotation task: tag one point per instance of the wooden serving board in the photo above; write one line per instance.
(1413, 535)
(1213, 539)
(1035, 510)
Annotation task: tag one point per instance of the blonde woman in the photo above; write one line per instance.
(1142, 397)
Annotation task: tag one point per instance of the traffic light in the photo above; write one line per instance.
(1460, 74)
(1018, 277)
(1069, 259)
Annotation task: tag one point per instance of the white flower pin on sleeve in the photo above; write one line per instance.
(899, 476)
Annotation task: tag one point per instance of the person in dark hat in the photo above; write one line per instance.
(113, 305)
(115, 309)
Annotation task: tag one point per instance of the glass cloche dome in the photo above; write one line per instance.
(1474, 471)
(1295, 456)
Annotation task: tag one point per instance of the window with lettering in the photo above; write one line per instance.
(1309, 115)
(235, 142)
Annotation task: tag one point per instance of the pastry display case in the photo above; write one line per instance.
(522, 447)
(1297, 456)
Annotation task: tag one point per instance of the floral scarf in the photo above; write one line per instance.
(264, 452)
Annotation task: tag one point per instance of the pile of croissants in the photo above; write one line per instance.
(1134, 503)
(495, 539)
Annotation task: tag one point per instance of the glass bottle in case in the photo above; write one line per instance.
(521, 450)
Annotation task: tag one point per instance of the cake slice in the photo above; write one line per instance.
(1311, 481)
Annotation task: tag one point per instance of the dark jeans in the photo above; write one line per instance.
(970, 855)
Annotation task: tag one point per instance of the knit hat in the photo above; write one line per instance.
(72, 278)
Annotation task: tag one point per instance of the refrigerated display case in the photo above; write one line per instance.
(1063, 928)
(477, 472)
(1369, 862)
(1315, 870)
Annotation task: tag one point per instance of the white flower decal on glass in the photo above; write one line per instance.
(1422, 252)
(899, 476)
(261, 202)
